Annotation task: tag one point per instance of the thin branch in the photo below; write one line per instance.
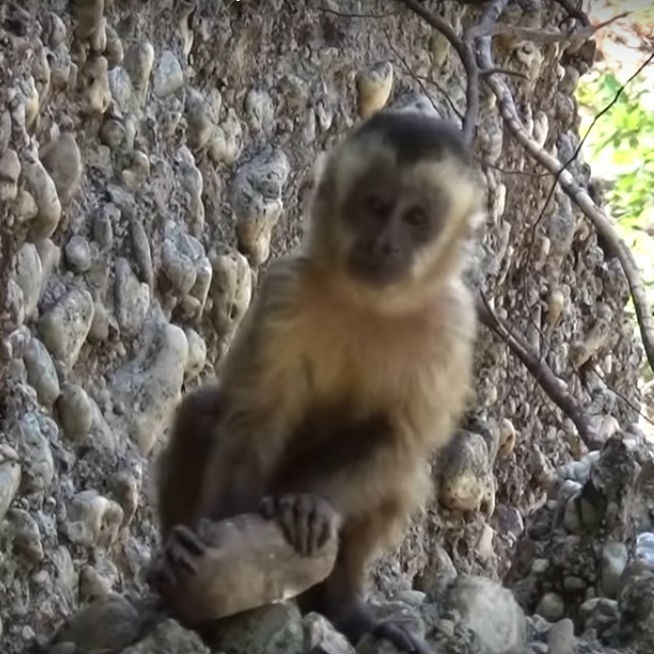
(578, 195)
(464, 48)
(574, 12)
(341, 14)
(502, 71)
(577, 34)
(410, 71)
(549, 382)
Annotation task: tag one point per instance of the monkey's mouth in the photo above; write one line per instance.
(377, 272)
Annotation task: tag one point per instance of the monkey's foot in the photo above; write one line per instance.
(308, 521)
(401, 637)
(179, 556)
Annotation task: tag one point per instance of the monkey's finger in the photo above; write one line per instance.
(180, 557)
(304, 518)
(287, 521)
(321, 535)
(268, 507)
(187, 539)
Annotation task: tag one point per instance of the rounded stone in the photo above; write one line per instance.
(78, 254)
(551, 607)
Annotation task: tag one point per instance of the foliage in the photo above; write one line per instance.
(622, 145)
(620, 149)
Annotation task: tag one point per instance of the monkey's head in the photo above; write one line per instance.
(394, 202)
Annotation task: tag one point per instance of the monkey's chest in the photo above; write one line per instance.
(371, 366)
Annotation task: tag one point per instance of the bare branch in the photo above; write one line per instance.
(542, 373)
(409, 70)
(574, 12)
(578, 195)
(575, 35)
(342, 14)
(464, 49)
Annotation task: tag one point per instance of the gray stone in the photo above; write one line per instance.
(29, 276)
(107, 625)
(560, 637)
(147, 387)
(132, 299)
(78, 253)
(65, 326)
(9, 482)
(168, 76)
(169, 637)
(93, 519)
(75, 411)
(614, 561)
(488, 610)
(38, 466)
(273, 629)
(41, 372)
(551, 607)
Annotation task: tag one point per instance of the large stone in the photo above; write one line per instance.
(248, 563)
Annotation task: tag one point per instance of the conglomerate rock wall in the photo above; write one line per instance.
(153, 157)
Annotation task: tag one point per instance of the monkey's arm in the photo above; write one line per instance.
(263, 395)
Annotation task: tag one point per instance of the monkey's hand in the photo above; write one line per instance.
(308, 521)
(179, 556)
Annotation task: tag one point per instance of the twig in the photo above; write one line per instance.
(574, 12)
(341, 14)
(575, 35)
(549, 382)
(465, 51)
(502, 71)
(578, 195)
(410, 71)
(444, 93)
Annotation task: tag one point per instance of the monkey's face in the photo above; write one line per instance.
(389, 218)
(393, 202)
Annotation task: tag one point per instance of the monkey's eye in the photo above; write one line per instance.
(375, 205)
(416, 217)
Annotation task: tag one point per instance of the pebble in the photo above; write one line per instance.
(168, 76)
(34, 446)
(75, 411)
(551, 607)
(41, 372)
(44, 192)
(29, 276)
(65, 326)
(645, 548)
(373, 87)
(149, 386)
(63, 161)
(560, 637)
(132, 299)
(490, 611)
(9, 173)
(614, 561)
(78, 253)
(10, 474)
(257, 201)
(93, 519)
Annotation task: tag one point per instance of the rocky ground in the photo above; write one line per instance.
(153, 157)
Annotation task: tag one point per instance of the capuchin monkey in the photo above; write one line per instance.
(350, 369)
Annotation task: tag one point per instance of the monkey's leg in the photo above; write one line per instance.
(339, 597)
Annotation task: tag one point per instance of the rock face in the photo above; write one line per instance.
(153, 158)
